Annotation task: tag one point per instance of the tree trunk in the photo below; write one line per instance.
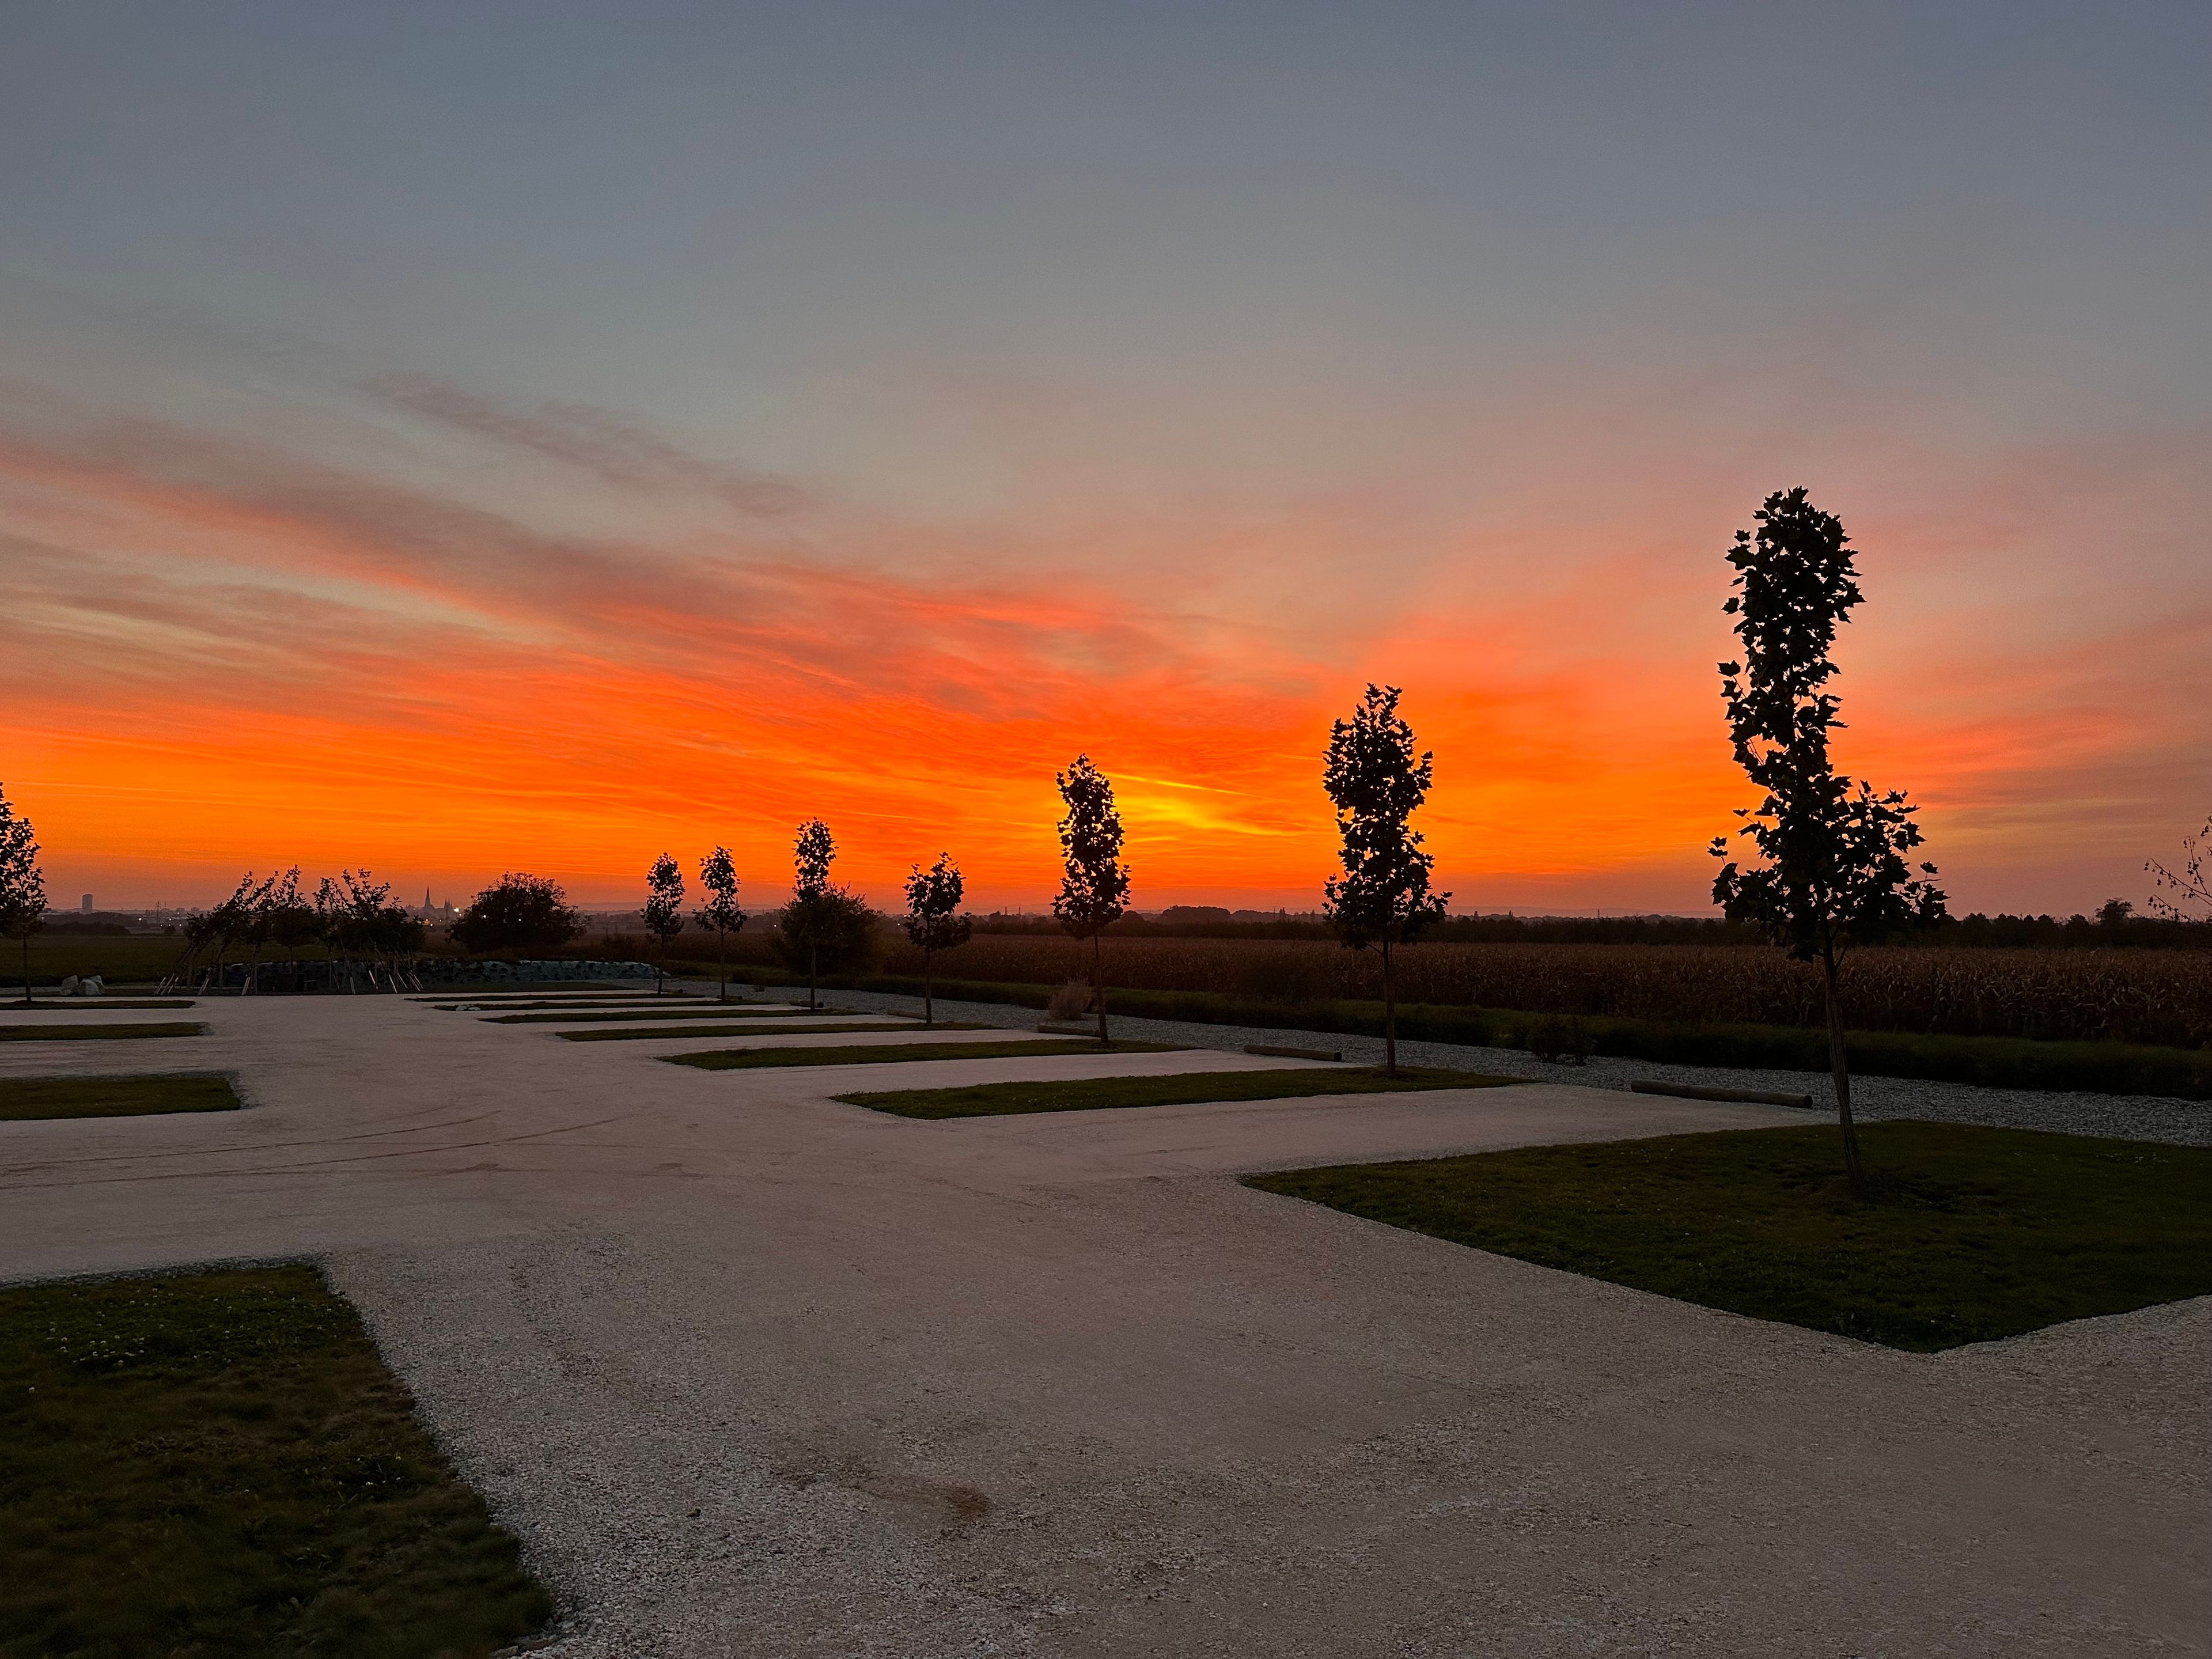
(1389, 1017)
(1098, 983)
(813, 971)
(928, 988)
(1852, 1166)
(27, 971)
(722, 961)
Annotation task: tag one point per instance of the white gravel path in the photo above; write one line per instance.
(2127, 1117)
(754, 1373)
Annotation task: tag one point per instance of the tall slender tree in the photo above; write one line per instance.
(1376, 781)
(23, 885)
(933, 921)
(1836, 871)
(811, 915)
(1094, 892)
(718, 874)
(663, 913)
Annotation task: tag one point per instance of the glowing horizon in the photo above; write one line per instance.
(393, 476)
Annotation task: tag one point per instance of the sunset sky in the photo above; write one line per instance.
(449, 439)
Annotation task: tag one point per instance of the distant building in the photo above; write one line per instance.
(86, 904)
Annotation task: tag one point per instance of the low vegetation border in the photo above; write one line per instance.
(94, 1033)
(727, 1060)
(28, 1098)
(632, 1034)
(1181, 1089)
(219, 1462)
(1971, 1234)
(708, 1010)
(1994, 1063)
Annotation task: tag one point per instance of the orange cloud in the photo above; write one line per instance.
(218, 653)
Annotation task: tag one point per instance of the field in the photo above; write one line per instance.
(2140, 996)
(1973, 1234)
(22, 1098)
(220, 1463)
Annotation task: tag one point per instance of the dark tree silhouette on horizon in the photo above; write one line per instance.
(1094, 892)
(517, 912)
(1376, 782)
(663, 914)
(824, 925)
(718, 874)
(23, 885)
(933, 923)
(1836, 872)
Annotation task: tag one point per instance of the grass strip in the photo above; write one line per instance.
(1970, 1233)
(730, 1060)
(2115, 1068)
(88, 1033)
(25, 1097)
(1090, 1094)
(811, 1027)
(94, 1004)
(709, 1012)
(219, 1462)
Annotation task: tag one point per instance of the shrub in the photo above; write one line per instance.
(517, 912)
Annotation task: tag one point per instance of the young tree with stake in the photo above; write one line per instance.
(718, 874)
(1836, 872)
(1376, 782)
(932, 900)
(663, 913)
(1094, 890)
(810, 916)
(22, 886)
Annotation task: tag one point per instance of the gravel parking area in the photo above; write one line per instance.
(753, 1372)
(2125, 1117)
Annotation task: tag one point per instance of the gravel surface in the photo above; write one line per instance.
(752, 1372)
(2126, 1117)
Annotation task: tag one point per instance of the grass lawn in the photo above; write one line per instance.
(709, 1012)
(1972, 1233)
(24, 1098)
(94, 1004)
(176, 1028)
(626, 1034)
(1094, 1093)
(727, 1060)
(219, 1463)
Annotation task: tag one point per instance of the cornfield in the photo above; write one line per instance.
(2132, 995)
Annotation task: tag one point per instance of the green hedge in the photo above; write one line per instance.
(2114, 1068)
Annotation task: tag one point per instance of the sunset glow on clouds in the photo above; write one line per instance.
(463, 563)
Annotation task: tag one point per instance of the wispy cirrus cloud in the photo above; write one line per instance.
(610, 447)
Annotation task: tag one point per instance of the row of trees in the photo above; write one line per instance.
(351, 913)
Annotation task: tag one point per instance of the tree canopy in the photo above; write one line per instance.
(1095, 888)
(517, 912)
(1376, 782)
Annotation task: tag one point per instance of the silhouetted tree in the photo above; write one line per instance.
(1094, 890)
(1836, 872)
(359, 915)
(1376, 782)
(291, 919)
(216, 928)
(718, 874)
(663, 913)
(932, 921)
(22, 886)
(517, 912)
(826, 928)
(2191, 884)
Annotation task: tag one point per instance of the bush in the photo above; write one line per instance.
(1072, 1001)
(834, 931)
(517, 912)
